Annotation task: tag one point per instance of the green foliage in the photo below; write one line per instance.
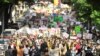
(87, 10)
(81, 7)
(6, 1)
(95, 15)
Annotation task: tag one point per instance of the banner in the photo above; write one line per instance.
(42, 32)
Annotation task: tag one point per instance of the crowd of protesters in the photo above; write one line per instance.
(53, 46)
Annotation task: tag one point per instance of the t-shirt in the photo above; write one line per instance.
(26, 51)
(54, 52)
(78, 46)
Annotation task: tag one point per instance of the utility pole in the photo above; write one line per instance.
(3, 22)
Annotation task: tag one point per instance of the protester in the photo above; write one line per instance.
(20, 51)
(8, 52)
(26, 50)
(48, 41)
(78, 48)
(44, 48)
(14, 51)
(88, 50)
(73, 51)
(54, 51)
(32, 51)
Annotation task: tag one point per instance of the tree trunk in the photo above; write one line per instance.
(7, 14)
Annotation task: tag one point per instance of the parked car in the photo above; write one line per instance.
(8, 33)
(3, 46)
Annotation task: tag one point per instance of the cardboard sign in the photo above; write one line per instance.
(65, 35)
(45, 32)
(73, 37)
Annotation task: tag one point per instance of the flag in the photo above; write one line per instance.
(77, 29)
(56, 2)
(58, 18)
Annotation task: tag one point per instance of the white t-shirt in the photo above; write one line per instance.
(26, 51)
(54, 52)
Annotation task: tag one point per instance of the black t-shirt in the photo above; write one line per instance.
(14, 52)
(43, 47)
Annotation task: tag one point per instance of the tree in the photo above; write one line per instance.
(95, 15)
(7, 1)
(87, 11)
(5, 7)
